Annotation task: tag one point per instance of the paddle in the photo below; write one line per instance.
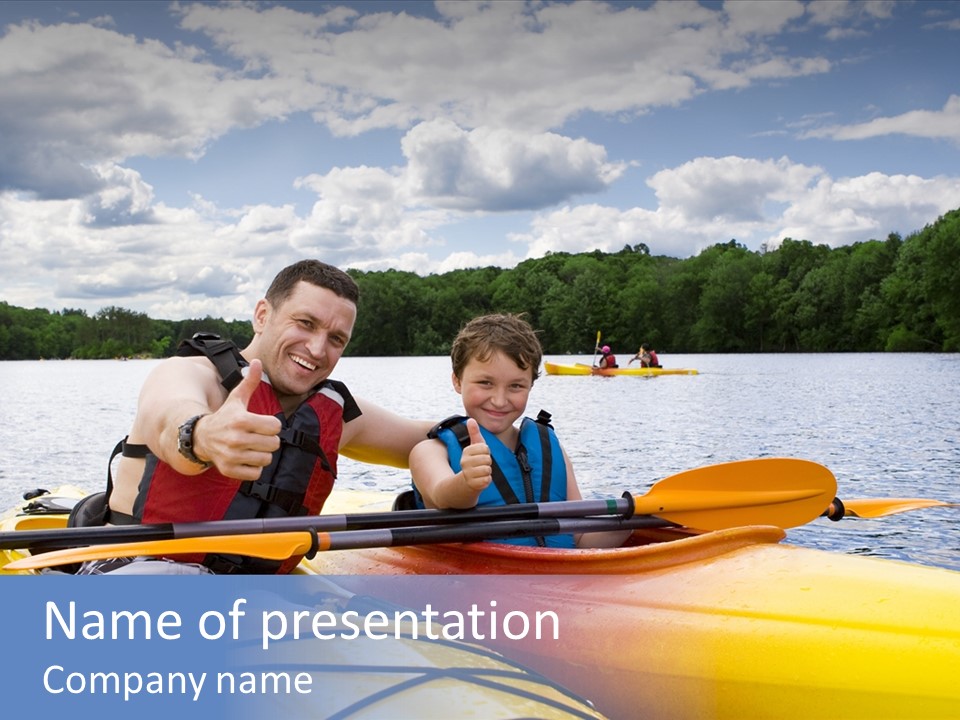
(72, 537)
(281, 545)
(879, 507)
(596, 349)
(771, 491)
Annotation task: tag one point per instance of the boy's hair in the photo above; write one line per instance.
(316, 273)
(506, 333)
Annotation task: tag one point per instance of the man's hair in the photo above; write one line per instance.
(316, 273)
(509, 334)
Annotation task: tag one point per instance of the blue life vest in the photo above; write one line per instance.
(535, 472)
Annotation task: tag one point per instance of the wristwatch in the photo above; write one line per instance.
(185, 442)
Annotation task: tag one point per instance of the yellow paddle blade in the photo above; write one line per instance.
(880, 507)
(270, 546)
(785, 492)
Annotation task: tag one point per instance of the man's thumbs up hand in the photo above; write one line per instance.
(239, 442)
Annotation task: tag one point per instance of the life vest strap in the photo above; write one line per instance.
(298, 438)
(287, 500)
(222, 353)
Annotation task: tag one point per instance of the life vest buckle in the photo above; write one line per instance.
(261, 491)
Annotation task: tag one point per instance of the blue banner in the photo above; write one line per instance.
(298, 646)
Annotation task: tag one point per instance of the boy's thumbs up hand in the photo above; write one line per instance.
(240, 443)
(476, 464)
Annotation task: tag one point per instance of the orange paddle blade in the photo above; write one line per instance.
(785, 492)
(880, 507)
(270, 546)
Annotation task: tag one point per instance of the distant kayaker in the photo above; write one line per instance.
(607, 358)
(214, 438)
(483, 459)
(646, 356)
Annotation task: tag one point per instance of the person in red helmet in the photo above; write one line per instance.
(607, 358)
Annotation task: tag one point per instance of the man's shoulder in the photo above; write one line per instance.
(178, 372)
(351, 410)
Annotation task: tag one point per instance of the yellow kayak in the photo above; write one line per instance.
(580, 369)
(677, 624)
(727, 624)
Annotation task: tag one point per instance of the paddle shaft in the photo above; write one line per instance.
(72, 537)
(474, 532)
(279, 546)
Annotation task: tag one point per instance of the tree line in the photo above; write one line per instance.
(895, 295)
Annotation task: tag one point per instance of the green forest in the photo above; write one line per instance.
(895, 295)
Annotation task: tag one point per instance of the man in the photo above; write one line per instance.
(198, 450)
(646, 356)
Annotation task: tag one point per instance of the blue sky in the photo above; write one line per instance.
(171, 157)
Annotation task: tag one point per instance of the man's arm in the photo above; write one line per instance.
(381, 437)
(238, 442)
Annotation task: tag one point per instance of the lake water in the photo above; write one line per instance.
(886, 425)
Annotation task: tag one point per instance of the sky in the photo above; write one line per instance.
(171, 157)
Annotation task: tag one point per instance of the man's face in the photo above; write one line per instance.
(301, 340)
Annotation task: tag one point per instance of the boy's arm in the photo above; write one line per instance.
(439, 485)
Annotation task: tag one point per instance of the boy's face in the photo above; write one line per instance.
(494, 391)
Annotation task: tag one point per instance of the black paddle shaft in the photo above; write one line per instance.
(78, 536)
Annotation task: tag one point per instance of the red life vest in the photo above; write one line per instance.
(297, 481)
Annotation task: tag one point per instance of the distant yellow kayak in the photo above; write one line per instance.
(581, 369)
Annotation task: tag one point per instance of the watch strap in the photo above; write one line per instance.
(185, 441)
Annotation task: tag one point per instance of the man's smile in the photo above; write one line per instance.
(303, 363)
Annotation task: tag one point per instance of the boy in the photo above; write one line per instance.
(484, 459)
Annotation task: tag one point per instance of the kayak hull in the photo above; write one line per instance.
(579, 369)
(728, 624)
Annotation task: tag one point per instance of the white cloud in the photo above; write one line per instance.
(73, 96)
(833, 13)
(76, 95)
(497, 169)
(193, 263)
(712, 200)
(729, 189)
(478, 99)
(510, 64)
(934, 124)
(847, 210)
